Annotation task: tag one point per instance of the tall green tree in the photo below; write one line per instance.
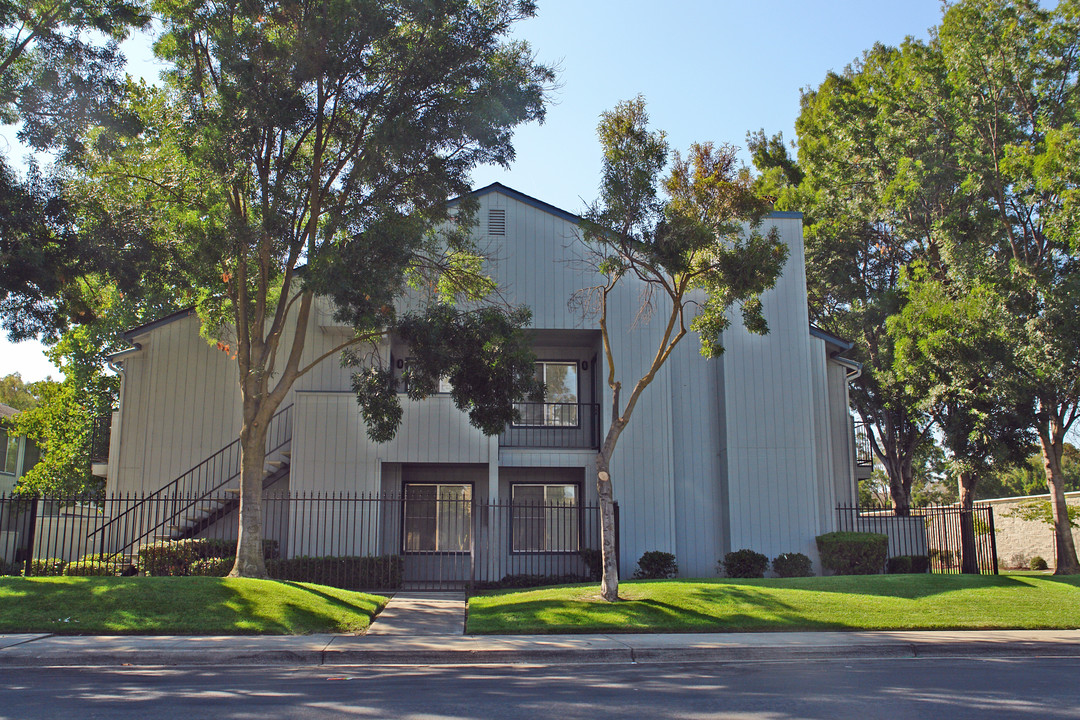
(18, 394)
(60, 72)
(700, 238)
(955, 346)
(1014, 64)
(330, 134)
(875, 188)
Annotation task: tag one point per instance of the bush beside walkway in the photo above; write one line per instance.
(180, 606)
(877, 602)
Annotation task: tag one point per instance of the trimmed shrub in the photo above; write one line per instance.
(7, 568)
(174, 557)
(853, 553)
(1038, 563)
(118, 565)
(91, 568)
(792, 565)
(903, 564)
(45, 567)
(656, 565)
(513, 582)
(168, 557)
(211, 567)
(594, 561)
(745, 564)
(350, 572)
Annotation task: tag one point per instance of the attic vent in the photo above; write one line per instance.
(496, 221)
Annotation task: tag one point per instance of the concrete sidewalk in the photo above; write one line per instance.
(421, 614)
(391, 649)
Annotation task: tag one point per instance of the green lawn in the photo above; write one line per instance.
(820, 603)
(180, 606)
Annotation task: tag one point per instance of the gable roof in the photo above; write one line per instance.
(523, 198)
(154, 324)
(498, 187)
(839, 343)
(6, 411)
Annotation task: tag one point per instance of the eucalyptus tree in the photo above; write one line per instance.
(329, 134)
(697, 253)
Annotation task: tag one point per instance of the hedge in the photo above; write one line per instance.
(853, 553)
(212, 567)
(350, 572)
(516, 582)
(92, 568)
(44, 567)
(902, 564)
(174, 557)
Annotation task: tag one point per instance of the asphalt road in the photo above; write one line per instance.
(831, 690)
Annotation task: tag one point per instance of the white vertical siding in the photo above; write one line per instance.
(181, 404)
(769, 407)
(742, 451)
(701, 527)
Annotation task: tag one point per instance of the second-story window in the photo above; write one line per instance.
(560, 405)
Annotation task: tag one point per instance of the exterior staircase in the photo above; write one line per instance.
(197, 499)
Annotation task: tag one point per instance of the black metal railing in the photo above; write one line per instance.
(864, 455)
(939, 532)
(188, 496)
(554, 425)
(375, 542)
(100, 434)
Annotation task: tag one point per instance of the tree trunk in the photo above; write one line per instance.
(969, 561)
(609, 580)
(899, 485)
(1052, 439)
(250, 560)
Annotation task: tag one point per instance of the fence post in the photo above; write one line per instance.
(618, 542)
(31, 537)
(993, 538)
(474, 521)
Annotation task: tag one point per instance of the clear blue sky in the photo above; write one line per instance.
(709, 71)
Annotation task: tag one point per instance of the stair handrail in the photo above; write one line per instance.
(283, 415)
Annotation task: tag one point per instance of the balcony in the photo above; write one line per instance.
(864, 455)
(571, 426)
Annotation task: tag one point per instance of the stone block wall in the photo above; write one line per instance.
(1020, 540)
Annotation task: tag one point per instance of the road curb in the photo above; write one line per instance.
(541, 656)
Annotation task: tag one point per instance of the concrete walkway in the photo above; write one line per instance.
(400, 649)
(420, 614)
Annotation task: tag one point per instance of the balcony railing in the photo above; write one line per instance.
(100, 432)
(864, 456)
(554, 425)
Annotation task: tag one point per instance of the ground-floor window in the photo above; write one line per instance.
(545, 518)
(438, 517)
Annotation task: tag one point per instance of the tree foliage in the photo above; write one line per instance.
(60, 72)
(957, 153)
(18, 394)
(308, 148)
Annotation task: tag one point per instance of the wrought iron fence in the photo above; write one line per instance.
(373, 542)
(952, 539)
